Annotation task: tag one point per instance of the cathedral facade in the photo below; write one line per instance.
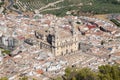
(58, 41)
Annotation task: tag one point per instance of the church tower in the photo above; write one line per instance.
(54, 41)
(73, 27)
(74, 33)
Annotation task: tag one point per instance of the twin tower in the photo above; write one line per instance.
(59, 41)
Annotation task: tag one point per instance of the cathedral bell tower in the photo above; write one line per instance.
(54, 41)
(73, 28)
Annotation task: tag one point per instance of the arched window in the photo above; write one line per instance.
(62, 53)
(66, 51)
(71, 51)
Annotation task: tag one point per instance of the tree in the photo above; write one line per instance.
(74, 78)
(24, 78)
(34, 79)
(107, 72)
(67, 72)
(86, 74)
(4, 78)
(58, 78)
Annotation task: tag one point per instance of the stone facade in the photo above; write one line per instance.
(58, 41)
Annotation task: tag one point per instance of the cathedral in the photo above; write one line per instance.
(58, 40)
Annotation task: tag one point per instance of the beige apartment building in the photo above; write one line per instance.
(58, 40)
